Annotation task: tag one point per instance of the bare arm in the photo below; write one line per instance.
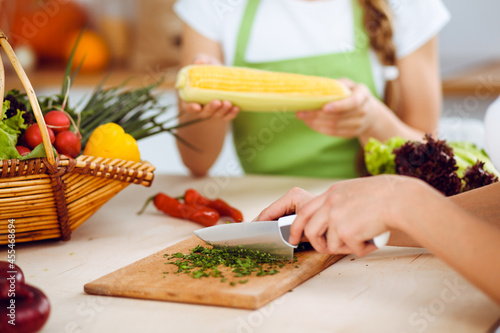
(482, 203)
(208, 135)
(465, 242)
(420, 98)
(341, 219)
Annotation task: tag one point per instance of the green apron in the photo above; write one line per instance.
(276, 142)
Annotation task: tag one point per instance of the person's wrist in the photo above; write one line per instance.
(408, 200)
(378, 119)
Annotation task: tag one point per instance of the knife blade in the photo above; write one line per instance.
(266, 236)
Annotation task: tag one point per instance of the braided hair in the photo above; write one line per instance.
(378, 25)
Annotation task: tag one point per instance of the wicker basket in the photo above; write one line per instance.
(48, 198)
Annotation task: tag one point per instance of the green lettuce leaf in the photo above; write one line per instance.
(9, 131)
(37, 152)
(379, 156)
(467, 154)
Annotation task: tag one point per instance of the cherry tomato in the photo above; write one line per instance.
(22, 150)
(33, 137)
(68, 143)
(58, 121)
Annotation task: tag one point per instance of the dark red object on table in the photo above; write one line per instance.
(23, 308)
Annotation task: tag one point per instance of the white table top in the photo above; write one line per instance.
(390, 290)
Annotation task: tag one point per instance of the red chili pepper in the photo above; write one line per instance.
(194, 199)
(173, 207)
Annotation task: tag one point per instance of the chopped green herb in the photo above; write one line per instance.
(232, 283)
(205, 262)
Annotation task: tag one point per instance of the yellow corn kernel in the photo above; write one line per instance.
(257, 90)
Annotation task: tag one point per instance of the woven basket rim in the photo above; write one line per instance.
(116, 169)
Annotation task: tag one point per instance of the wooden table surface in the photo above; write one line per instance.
(390, 290)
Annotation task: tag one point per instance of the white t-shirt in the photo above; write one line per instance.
(287, 29)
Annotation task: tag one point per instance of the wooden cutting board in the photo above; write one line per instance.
(146, 279)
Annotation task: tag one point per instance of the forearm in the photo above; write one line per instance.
(419, 95)
(205, 140)
(483, 202)
(463, 241)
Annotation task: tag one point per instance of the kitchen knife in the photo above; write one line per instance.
(266, 236)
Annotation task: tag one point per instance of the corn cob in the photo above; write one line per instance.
(257, 90)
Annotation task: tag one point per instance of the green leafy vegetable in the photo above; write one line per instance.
(449, 167)
(431, 161)
(10, 128)
(468, 154)
(137, 111)
(379, 156)
(37, 152)
(476, 176)
(206, 262)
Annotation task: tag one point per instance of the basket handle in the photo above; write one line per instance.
(31, 95)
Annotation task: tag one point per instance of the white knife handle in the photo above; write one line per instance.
(382, 239)
(379, 241)
(286, 220)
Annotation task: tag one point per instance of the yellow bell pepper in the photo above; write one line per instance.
(111, 141)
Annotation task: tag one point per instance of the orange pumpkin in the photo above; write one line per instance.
(46, 25)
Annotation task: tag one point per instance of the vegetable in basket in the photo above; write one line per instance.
(111, 141)
(65, 205)
(451, 167)
(136, 110)
(10, 128)
(20, 141)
